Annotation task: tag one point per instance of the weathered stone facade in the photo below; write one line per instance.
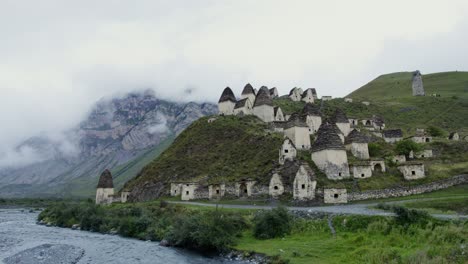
(124, 196)
(216, 191)
(276, 187)
(243, 107)
(226, 102)
(248, 92)
(334, 196)
(348, 100)
(427, 153)
(333, 162)
(278, 114)
(244, 188)
(377, 165)
(399, 159)
(307, 96)
(176, 189)
(287, 151)
(362, 171)
(295, 94)
(392, 135)
(454, 136)
(304, 184)
(298, 131)
(412, 171)
(105, 188)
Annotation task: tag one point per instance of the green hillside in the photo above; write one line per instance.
(227, 149)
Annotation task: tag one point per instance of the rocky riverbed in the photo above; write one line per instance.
(24, 241)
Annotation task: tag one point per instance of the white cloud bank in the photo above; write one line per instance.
(58, 57)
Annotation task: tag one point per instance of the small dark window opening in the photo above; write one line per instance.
(413, 173)
(339, 174)
(422, 156)
(245, 190)
(362, 175)
(302, 146)
(286, 151)
(303, 186)
(427, 140)
(217, 191)
(276, 187)
(187, 192)
(175, 191)
(336, 195)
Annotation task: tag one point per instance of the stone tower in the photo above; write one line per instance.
(418, 88)
(105, 188)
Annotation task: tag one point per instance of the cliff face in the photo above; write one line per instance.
(115, 133)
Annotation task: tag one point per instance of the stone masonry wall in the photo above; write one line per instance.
(402, 191)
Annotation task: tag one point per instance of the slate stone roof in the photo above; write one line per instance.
(241, 103)
(413, 162)
(227, 95)
(105, 180)
(263, 98)
(392, 133)
(339, 117)
(314, 92)
(248, 89)
(290, 141)
(279, 124)
(311, 109)
(293, 90)
(356, 137)
(378, 120)
(264, 88)
(273, 91)
(416, 73)
(309, 170)
(296, 120)
(327, 138)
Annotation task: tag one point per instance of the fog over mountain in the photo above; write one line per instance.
(58, 57)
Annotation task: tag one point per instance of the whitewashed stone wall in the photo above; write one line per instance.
(251, 97)
(362, 171)
(244, 189)
(359, 150)
(345, 128)
(334, 196)
(313, 122)
(216, 191)
(300, 136)
(399, 159)
(334, 163)
(279, 115)
(176, 189)
(124, 196)
(226, 108)
(375, 164)
(303, 186)
(392, 139)
(276, 187)
(287, 151)
(188, 191)
(412, 171)
(264, 112)
(104, 195)
(427, 153)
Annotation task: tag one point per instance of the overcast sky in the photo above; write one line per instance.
(58, 57)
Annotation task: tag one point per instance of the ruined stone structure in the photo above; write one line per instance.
(176, 189)
(248, 92)
(342, 122)
(313, 117)
(399, 159)
(412, 170)
(357, 143)
(454, 136)
(105, 188)
(124, 196)
(427, 153)
(295, 94)
(326, 98)
(353, 122)
(361, 170)
(188, 191)
(417, 84)
(334, 196)
(263, 107)
(298, 131)
(243, 107)
(378, 122)
(273, 92)
(348, 100)
(329, 153)
(308, 96)
(304, 184)
(366, 103)
(314, 92)
(216, 191)
(287, 151)
(244, 188)
(421, 136)
(392, 135)
(377, 165)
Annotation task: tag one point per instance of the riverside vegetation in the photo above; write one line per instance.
(410, 237)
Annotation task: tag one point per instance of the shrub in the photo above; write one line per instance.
(375, 150)
(207, 231)
(406, 146)
(435, 131)
(407, 217)
(272, 223)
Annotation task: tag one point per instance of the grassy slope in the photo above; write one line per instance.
(391, 96)
(228, 149)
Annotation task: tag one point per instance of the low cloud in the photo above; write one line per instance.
(161, 127)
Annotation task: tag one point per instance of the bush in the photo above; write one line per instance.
(375, 150)
(406, 146)
(435, 131)
(206, 231)
(407, 217)
(272, 223)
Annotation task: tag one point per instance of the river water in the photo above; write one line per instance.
(23, 241)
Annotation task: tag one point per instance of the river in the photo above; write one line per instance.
(23, 241)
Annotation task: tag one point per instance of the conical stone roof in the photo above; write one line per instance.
(263, 98)
(248, 89)
(311, 109)
(327, 138)
(227, 95)
(296, 120)
(340, 116)
(105, 180)
(356, 137)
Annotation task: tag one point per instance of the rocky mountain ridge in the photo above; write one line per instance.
(115, 132)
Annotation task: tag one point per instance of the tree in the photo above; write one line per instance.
(406, 146)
